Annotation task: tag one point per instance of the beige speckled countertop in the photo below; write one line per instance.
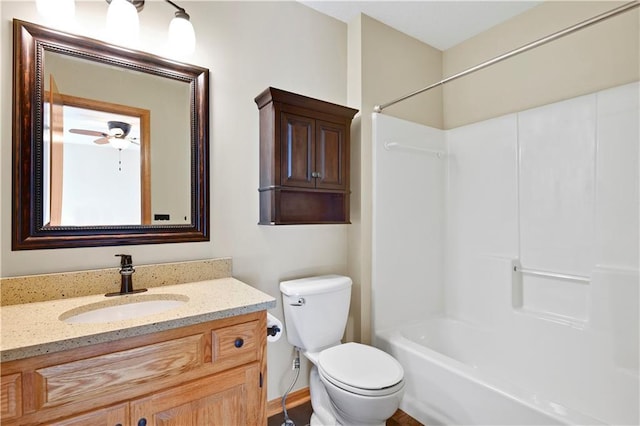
(33, 329)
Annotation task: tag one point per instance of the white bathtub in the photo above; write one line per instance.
(458, 374)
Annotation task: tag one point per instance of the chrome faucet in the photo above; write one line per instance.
(126, 272)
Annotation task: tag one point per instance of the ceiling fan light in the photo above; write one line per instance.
(122, 22)
(116, 132)
(119, 143)
(182, 36)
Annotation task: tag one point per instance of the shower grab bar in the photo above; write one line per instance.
(390, 146)
(540, 273)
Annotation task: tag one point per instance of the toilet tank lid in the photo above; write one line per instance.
(315, 285)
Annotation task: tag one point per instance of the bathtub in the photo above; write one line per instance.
(459, 374)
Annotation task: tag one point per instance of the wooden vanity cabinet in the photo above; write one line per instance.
(206, 374)
(304, 159)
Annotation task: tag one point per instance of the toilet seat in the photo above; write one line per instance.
(361, 369)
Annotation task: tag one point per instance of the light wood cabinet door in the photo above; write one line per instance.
(11, 396)
(229, 398)
(110, 416)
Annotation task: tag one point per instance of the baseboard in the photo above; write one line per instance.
(294, 399)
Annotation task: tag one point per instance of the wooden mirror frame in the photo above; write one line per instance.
(30, 41)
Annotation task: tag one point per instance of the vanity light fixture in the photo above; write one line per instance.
(122, 25)
(182, 36)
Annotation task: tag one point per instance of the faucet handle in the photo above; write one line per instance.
(125, 260)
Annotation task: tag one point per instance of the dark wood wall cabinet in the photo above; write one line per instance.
(304, 159)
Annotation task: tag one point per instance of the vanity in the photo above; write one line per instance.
(199, 363)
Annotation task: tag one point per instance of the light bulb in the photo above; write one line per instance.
(57, 12)
(119, 143)
(182, 37)
(122, 23)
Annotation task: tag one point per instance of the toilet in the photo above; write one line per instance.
(350, 383)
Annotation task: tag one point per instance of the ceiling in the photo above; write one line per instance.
(441, 24)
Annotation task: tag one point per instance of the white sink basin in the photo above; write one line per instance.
(123, 308)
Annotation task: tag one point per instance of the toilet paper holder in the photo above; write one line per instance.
(273, 330)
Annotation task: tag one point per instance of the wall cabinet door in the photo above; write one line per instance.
(331, 156)
(230, 398)
(298, 151)
(314, 153)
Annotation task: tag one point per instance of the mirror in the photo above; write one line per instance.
(110, 144)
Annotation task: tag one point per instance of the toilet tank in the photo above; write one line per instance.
(316, 310)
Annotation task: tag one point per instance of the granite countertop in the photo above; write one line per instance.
(33, 329)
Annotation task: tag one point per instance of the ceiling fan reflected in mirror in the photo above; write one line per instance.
(117, 135)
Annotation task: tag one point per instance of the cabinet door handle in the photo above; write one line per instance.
(142, 422)
(239, 342)
(316, 174)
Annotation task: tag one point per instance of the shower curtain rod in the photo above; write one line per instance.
(606, 15)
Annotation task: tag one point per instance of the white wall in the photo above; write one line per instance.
(383, 63)
(553, 188)
(408, 221)
(97, 185)
(482, 210)
(247, 46)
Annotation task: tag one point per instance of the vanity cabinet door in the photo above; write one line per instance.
(110, 416)
(229, 398)
(11, 396)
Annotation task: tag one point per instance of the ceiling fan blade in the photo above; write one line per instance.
(101, 141)
(88, 132)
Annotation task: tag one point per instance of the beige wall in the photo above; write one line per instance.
(248, 47)
(601, 56)
(383, 63)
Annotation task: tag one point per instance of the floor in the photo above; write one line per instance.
(302, 413)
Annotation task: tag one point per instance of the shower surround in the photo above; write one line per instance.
(515, 296)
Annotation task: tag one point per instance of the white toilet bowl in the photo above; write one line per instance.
(355, 385)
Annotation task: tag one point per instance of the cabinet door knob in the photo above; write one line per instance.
(315, 174)
(142, 422)
(239, 342)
